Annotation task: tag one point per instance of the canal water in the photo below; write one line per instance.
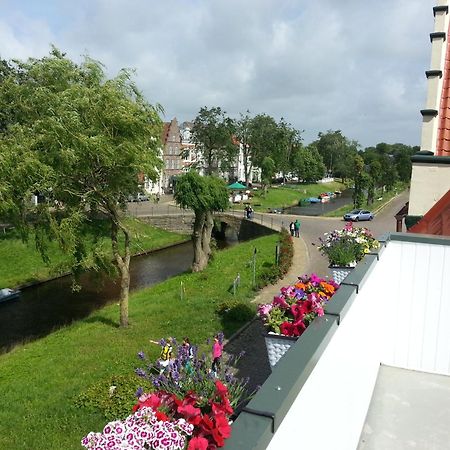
(46, 307)
(319, 209)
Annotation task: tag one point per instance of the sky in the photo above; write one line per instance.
(350, 65)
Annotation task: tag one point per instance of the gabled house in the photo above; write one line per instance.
(172, 154)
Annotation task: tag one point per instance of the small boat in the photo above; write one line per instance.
(8, 294)
(337, 192)
(314, 200)
(324, 197)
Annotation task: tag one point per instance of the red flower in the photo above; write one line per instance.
(222, 430)
(198, 443)
(188, 411)
(222, 408)
(221, 389)
(287, 328)
(161, 416)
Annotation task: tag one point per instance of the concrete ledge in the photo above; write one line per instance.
(257, 423)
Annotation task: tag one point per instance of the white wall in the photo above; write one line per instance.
(401, 317)
(429, 183)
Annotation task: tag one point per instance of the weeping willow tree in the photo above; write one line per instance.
(82, 141)
(203, 195)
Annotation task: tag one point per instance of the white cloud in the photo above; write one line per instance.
(349, 65)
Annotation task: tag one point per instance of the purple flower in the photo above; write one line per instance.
(139, 392)
(140, 373)
(141, 355)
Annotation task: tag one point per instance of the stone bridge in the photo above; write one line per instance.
(182, 222)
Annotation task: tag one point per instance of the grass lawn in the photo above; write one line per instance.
(40, 380)
(289, 195)
(24, 264)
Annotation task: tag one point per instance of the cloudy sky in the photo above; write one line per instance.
(352, 65)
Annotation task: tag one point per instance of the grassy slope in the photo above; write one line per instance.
(290, 195)
(40, 380)
(24, 263)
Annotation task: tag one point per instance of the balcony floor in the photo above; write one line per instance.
(408, 410)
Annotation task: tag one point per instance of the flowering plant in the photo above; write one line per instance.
(344, 248)
(186, 407)
(296, 306)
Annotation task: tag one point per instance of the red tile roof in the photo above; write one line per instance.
(436, 220)
(443, 136)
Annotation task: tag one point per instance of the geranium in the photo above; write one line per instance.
(296, 306)
(344, 248)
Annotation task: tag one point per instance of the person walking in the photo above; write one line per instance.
(216, 354)
(188, 356)
(297, 228)
(292, 229)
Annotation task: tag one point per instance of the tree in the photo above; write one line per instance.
(263, 138)
(358, 179)
(242, 131)
(308, 164)
(212, 133)
(82, 140)
(337, 152)
(204, 195)
(288, 141)
(267, 172)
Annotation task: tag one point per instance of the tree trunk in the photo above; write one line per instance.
(199, 257)
(201, 239)
(123, 264)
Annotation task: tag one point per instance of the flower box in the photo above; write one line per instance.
(340, 273)
(291, 312)
(277, 345)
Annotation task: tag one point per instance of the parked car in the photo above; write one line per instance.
(358, 214)
(138, 198)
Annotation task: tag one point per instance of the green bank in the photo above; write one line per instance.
(41, 380)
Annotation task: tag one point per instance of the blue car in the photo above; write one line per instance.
(358, 214)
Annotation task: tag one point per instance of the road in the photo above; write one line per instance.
(312, 228)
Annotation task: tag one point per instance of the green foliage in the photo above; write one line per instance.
(82, 140)
(201, 193)
(271, 273)
(114, 396)
(212, 133)
(343, 254)
(308, 164)
(337, 152)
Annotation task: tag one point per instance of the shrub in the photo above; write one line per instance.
(235, 310)
(113, 397)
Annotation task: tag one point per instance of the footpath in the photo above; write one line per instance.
(254, 365)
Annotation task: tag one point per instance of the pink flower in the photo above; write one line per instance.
(280, 301)
(198, 443)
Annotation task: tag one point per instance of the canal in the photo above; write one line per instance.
(43, 308)
(319, 209)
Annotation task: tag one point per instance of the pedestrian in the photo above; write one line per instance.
(166, 353)
(297, 228)
(250, 213)
(158, 196)
(292, 228)
(188, 356)
(216, 354)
